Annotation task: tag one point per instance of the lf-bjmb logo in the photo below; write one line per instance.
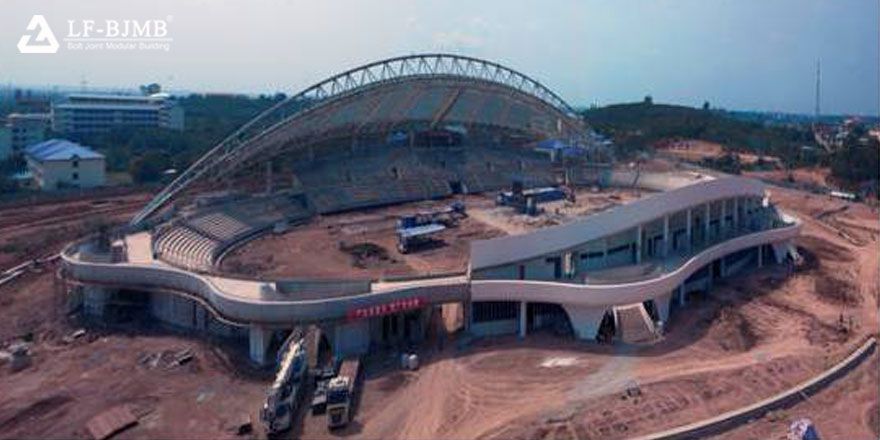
(43, 42)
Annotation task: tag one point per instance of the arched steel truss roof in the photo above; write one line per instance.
(266, 127)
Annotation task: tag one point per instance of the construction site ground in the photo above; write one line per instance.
(364, 243)
(75, 376)
(752, 336)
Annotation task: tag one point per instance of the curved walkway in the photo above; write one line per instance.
(284, 302)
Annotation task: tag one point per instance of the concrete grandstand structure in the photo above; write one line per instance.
(416, 128)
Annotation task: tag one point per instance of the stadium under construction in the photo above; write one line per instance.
(389, 140)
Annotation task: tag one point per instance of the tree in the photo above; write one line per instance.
(149, 167)
(705, 105)
(648, 100)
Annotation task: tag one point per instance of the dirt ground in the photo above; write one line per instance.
(360, 244)
(695, 150)
(363, 243)
(71, 381)
(40, 229)
(753, 336)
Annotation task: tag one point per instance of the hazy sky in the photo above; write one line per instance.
(737, 54)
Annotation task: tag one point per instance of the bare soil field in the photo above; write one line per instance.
(695, 150)
(71, 380)
(360, 244)
(40, 229)
(364, 243)
(753, 336)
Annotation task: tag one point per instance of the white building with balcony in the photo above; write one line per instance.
(94, 113)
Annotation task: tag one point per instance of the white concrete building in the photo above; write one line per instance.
(91, 113)
(59, 163)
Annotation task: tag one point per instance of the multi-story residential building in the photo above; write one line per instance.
(93, 113)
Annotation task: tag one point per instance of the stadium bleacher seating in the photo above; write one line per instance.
(196, 241)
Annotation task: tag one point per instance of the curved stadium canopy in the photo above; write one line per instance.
(377, 98)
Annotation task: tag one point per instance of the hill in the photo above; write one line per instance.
(637, 126)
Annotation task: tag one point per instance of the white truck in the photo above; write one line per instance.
(285, 392)
(341, 393)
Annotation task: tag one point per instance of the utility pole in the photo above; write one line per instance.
(818, 84)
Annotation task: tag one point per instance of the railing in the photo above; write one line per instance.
(673, 260)
(243, 306)
(624, 292)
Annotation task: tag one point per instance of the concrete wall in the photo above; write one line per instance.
(351, 338)
(50, 174)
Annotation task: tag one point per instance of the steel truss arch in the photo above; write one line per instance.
(236, 145)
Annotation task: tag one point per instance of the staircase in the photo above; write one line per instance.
(634, 325)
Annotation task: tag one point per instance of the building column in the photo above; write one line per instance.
(736, 212)
(523, 318)
(639, 244)
(723, 267)
(467, 310)
(662, 303)
(259, 338)
(665, 236)
(95, 300)
(711, 276)
(706, 229)
(584, 320)
(682, 299)
(722, 222)
(689, 233)
(760, 255)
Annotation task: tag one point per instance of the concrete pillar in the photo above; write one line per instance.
(584, 320)
(760, 255)
(639, 244)
(662, 303)
(711, 276)
(523, 318)
(682, 298)
(689, 233)
(736, 212)
(706, 230)
(259, 338)
(722, 222)
(95, 300)
(723, 267)
(665, 236)
(468, 312)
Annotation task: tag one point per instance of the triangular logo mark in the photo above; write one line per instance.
(45, 39)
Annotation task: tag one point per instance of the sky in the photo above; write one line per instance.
(736, 54)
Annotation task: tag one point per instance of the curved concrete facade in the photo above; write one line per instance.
(511, 249)
(493, 265)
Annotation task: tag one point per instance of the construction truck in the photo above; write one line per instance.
(526, 201)
(283, 396)
(421, 228)
(341, 393)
